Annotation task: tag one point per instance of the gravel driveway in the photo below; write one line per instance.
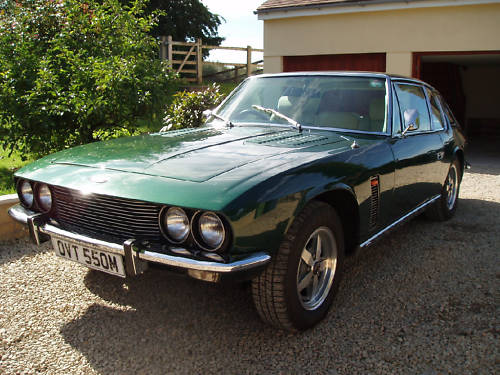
(423, 301)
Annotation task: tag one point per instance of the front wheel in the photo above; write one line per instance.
(297, 288)
(444, 208)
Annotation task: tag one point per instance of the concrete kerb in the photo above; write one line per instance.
(9, 229)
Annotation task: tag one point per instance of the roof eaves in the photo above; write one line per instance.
(326, 4)
(353, 6)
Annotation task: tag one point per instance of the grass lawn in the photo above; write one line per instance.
(8, 165)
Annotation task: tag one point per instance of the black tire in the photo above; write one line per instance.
(276, 291)
(444, 208)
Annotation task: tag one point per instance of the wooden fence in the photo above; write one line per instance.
(188, 59)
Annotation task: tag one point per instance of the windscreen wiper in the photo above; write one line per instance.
(208, 113)
(271, 111)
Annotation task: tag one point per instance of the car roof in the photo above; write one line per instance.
(393, 77)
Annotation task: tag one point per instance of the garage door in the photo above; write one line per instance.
(469, 82)
(374, 62)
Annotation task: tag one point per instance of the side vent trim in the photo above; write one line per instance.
(374, 202)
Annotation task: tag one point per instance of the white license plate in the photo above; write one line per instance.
(89, 256)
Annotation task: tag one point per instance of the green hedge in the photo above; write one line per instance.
(72, 72)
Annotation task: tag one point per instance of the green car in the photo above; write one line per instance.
(291, 173)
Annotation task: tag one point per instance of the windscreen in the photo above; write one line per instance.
(351, 103)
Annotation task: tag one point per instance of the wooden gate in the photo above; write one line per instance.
(186, 58)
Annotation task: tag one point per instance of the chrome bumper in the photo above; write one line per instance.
(134, 256)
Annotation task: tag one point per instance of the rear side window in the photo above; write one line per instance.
(447, 112)
(437, 119)
(413, 97)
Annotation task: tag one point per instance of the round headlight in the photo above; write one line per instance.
(44, 197)
(25, 192)
(176, 224)
(211, 230)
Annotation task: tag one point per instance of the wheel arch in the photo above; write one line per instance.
(459, 154)
(343, 200)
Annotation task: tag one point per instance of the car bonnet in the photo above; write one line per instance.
(195, 155)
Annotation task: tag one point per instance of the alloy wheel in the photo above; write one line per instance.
(451, 187)
(316, 269)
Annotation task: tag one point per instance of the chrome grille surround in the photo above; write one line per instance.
(106, 215)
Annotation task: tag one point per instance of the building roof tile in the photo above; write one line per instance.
(280, 4)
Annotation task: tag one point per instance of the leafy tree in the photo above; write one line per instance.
(73, 72)
(185, 20)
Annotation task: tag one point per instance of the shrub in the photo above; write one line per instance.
(72, 72)
(186, 111)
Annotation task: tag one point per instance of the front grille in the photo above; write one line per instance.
(109, 216)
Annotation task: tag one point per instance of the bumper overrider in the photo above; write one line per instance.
(135, 257)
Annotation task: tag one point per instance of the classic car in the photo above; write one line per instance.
(291, 173)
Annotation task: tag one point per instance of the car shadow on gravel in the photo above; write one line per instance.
(398, 298)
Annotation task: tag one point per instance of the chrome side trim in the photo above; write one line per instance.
(399, 221)
(23, 215)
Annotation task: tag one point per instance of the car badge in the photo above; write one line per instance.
(100, 179)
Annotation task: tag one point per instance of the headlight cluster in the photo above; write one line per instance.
(211, 229)
(176, 224)
(36, 196)
(206, 228)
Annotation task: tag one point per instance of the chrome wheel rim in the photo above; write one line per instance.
(316, 270)
(451, 187)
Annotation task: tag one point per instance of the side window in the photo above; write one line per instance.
(413, 97)
(396, 115)
(437, 120)
(449, 115)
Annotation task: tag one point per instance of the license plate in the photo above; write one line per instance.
(89, 256)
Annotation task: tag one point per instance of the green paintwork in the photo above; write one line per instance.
(258, 177)
(203, 168)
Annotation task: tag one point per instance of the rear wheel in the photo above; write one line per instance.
(297, 288)
(444, 208)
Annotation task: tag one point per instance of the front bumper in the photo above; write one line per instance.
(135, 257)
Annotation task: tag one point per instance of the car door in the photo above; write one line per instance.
(418, 153)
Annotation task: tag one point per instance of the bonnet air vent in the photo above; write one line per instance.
(288, 139)
(183, 132)
(374, 202)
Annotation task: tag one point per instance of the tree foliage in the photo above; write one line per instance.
(72, 72)
(185, 20)
(186, 111)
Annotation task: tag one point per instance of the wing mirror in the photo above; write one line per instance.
(411, 124)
